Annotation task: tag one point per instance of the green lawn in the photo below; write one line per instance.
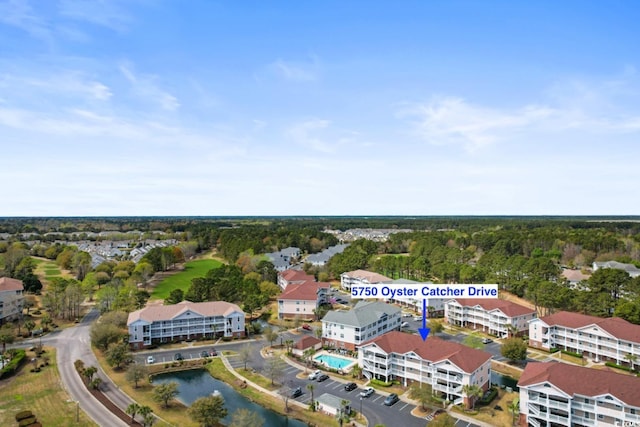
(182, 280)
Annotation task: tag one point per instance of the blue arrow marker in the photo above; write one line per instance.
(424, 331)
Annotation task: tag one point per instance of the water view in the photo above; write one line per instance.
(198, 383)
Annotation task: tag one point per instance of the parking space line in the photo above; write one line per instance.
(338, 386)
(405, 405)
(376, 399)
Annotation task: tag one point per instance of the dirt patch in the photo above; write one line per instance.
(514, 298)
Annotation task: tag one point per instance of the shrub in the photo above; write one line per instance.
(553, 350)
(615, 365)
(22, 415)
(27, 421)
(488, 396)
(16, 361)
(571, 353)
(381, 383)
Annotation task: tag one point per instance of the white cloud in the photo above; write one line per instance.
(64, 84)
(451, 120)
(576, 106)
(146, 88)
(20, 14)
(295, 71)
(106, 13)
(306, 134)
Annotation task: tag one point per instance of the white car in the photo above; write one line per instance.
(367, 392)
(150, 360)
(404, 325)
(315, 374)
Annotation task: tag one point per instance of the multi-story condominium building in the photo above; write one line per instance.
(601, 339)
(184, 321)
(435, 306)
(631, 269)
(365, 321)
(497, 317)
(361, 277)
(446, 366)
(302, 300)
(11, 298)
(293, 277)
(559, 394)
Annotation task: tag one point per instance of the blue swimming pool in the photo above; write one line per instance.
(335, 362)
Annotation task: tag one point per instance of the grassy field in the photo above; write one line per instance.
(47, 269)
(40, 393)
(182, 279)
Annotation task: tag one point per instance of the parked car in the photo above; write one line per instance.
(350, 386)
(417, 318)
(306, 327)
(178, 356)
(404, 325)
(406, 315)
(367, 392)
(213, 352)
(391, 399)
(315, 374)
(204, 353)
(296, 392)
(150, 360)
(322, 377)
(487, 340)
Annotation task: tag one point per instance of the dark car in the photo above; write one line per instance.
(213, 352)
(350, 386)
(391, 399)
(322, 377)
(306, 327)
(297, 392)
(204, 353)
(178, 356)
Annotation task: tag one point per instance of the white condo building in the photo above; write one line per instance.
(184, 321)
(361, 277)
(11, 298)
(446, 366)
(559, 394)
(365, 321)
(601, 339)
(494, 316)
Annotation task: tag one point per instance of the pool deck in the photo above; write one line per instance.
(347, 368)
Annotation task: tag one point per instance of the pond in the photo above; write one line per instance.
(503, 381)
(198, 383)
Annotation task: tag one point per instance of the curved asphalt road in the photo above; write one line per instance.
(73, 344)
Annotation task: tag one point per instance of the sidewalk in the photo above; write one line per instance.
(270, 392)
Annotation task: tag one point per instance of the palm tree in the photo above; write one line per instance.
(307, 357)
(512, 330)
(132, 410)
(514, 408)
(289, 345)
(632, 360)
(342, 412)
(472, 392)
(311, 387)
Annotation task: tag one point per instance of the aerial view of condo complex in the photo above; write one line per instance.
(294, 214)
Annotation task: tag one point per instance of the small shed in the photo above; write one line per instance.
(330, 404)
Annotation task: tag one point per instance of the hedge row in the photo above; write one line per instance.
(11, 367)
(571, 353)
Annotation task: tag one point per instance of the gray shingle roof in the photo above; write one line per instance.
(364, 313)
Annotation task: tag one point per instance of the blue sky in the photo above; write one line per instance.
(149, 107)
